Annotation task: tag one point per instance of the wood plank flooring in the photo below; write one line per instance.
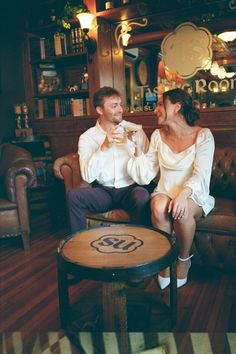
(29, 300)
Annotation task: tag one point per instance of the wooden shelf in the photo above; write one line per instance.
(66, 57)
(63, 93)
(125, 12)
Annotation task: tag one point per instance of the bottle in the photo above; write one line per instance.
(125, 2)
(53, 15)
(84, 79)
(109, 5)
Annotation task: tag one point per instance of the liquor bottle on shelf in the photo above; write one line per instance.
(84, 79)
(109, 5)
(125, 2)
(53, 15)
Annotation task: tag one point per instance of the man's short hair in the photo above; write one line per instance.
(106, 91)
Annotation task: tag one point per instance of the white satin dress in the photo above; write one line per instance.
(189, 168)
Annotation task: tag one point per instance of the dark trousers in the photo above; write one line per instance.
(135, 199)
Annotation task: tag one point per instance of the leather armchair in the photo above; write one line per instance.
(215, 237)
(17, 173)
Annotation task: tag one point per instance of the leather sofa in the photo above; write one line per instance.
(215, 238)
(17, 173)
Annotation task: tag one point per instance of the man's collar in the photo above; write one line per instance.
(98, 126)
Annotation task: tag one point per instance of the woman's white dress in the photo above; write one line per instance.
(189, 168)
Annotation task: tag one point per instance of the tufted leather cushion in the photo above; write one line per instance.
(222, 219)
(223, 180)
(215, 236)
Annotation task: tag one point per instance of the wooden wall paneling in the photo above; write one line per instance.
(219, 117)
(63, 145)
(91, 4)
(63, 134)
(222, 122)
(28, 79)
(118, 65)
(101, 66)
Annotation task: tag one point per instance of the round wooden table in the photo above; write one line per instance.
(114, 255)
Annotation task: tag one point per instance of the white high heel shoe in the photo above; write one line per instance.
(183, 281)
(163, 282)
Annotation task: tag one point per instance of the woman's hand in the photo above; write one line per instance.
(135, 138)
(178, 206)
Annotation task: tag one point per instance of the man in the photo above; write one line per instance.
(104, 151)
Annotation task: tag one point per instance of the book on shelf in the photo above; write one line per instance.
(65, 107)
(49, 47)
(37, 48)
(60, 44)
(57, 44)
(65, 45)
(77, 43)
(39, 110)
(61, 107)
(42, 47)
(44, 108)
(80, 107)
(77, 107)
(87, 106)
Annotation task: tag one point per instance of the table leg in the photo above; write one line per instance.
(63, 295)
(115, 313)
(114, 307)
(173, 294)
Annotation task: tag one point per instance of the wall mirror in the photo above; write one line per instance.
(147, 75)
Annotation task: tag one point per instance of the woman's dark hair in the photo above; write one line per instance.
(188, 108)
(106, 91)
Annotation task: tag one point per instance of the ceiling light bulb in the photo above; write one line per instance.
(229, 75)
(214, 68)
(223, 88)
(227, 36)
(221, 73)
(125, 39)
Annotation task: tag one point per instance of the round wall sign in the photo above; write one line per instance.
(142, 72)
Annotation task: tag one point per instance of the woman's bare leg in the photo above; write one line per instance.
(161, 219)
(185, 230)
(159, 213)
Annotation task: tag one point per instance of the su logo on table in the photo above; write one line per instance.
(122, 243)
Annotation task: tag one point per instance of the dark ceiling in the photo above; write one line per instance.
(164, 16)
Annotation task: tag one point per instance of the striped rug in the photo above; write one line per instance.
(110, 343)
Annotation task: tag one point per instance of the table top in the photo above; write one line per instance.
(117, 252)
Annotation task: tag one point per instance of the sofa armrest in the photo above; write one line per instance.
(67, 168)
(16, 163)
(20, 168)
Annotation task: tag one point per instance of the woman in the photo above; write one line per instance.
(182, 153)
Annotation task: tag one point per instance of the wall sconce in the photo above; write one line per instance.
(86, 19)
(227, 36)
(122, 34)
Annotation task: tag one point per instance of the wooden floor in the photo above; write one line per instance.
(29, 301)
